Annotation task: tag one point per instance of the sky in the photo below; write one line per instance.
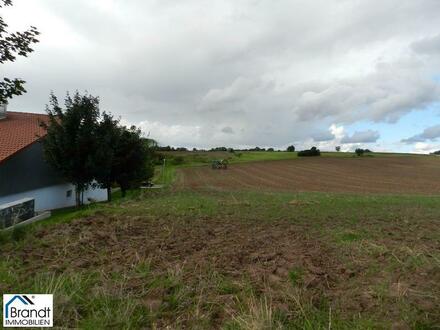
(199, 73)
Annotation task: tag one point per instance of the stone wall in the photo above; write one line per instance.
(16, 212)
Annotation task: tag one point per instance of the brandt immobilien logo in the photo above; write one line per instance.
(27, 310)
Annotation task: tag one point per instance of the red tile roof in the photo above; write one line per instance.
(18, 130)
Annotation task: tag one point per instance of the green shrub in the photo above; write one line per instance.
(309, 152)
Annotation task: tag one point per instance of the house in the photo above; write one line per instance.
(23, 171)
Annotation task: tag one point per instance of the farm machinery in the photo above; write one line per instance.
(221, 164)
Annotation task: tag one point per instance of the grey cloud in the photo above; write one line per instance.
(384, 95)
(429, 45)
(228, 130)
(368, 136)
(323, 136)
(430, 133)
(281, 71)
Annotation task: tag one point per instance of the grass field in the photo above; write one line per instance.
(199, 158)
(196, 256)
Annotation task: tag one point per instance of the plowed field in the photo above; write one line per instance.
(409, 175)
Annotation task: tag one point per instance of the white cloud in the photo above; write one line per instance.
(425, 148)
(274, 72)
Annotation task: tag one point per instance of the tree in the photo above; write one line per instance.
(13, 44)
(359, 152)
(133, 162)
(290, 148)
(70, 144)
(338, 148)
(309, 152)
(123, 156)
(108, 133)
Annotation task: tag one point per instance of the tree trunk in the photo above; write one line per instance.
(109, 194)
(77, 196)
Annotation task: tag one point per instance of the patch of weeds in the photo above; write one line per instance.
(18, 233)
(117, 276)
(225, 285)
(71, 293)
(254, 313)
(296, 276)
(8, 276)
(5, 237)
(143, 268)
(348, 236)
(106, 311)
(176, 295)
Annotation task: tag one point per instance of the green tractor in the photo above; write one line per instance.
(219, 164)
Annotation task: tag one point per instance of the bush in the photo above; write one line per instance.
(309, 152)
(359, 152)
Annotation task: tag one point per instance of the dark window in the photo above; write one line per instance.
(69, 193)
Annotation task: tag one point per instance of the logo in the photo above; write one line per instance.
(26, 310)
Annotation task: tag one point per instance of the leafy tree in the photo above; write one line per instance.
(359, 152)
(133, 162)
(13, 44)
(338, 148)
(90, 148)
(290, 148)
(123, 156)
(70, 144)
(309, 152)
(108, 133)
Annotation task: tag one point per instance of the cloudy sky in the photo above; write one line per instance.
(244, 73)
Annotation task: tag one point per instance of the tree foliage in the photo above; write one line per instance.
(70, 144)
(13, 44)
(91, 148)
(361, 152)
(309, 152)
(133, 160)
(290, 148)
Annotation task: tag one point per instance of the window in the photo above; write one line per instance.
(69, 193)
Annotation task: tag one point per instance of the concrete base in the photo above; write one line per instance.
(37, 218)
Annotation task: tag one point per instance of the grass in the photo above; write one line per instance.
(179, 297)
(361, 261)
(200, 158)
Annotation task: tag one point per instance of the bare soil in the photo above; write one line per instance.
(263, 253)
(407, 175)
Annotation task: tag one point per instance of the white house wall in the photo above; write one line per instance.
(55, 197)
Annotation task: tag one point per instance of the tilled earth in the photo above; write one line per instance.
(263, 253)
(258, 250)
(398, 175)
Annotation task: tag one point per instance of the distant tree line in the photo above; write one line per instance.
(225, 149)
(313, 151)
(360, 152)
(91, 148)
